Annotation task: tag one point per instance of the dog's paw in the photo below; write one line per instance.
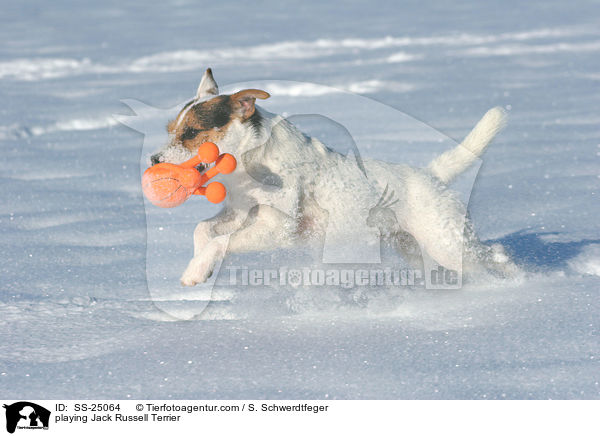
(188, 281)
(201, 267)
(193, 280)
(195, 273)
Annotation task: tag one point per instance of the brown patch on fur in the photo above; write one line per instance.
(171, 126)
(207, 121)
(242, 102)
(212, 135)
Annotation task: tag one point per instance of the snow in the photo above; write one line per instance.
(79, 317)
(588, 261)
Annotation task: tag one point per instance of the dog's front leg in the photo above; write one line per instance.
(204, 262)
(210, 244)
(226, 222)
(265, 228)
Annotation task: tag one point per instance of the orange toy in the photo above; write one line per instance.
(169, 185)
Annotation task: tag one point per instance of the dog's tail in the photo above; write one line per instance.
(453, 162)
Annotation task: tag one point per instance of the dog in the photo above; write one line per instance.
(291, 189)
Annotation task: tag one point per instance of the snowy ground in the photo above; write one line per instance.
(76, 317)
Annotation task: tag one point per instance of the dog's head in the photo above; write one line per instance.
(223, 119)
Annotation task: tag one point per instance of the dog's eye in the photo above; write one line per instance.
(189, 133)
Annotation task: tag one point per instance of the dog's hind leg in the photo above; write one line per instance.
(478, 257)
(438, 221)
(408, 248)
(266, 228)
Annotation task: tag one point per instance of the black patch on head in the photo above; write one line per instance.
(215, 114)
(189, 133)
(255, 120)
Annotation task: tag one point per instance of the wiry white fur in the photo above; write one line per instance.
(453, 162)
(174, 154)
(289, 188)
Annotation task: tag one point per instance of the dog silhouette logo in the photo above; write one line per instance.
(26, 415)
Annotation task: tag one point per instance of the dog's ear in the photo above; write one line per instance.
(208, 87)
(243, 102)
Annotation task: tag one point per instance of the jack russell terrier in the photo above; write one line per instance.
(290, 189)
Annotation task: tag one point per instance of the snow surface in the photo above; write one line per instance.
(77, 318)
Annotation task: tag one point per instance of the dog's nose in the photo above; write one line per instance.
(154, 159)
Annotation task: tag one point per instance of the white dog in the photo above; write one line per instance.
(289, 189)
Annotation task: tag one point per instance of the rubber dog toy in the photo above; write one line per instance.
(169, 185)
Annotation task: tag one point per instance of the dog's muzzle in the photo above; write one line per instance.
(154, 159)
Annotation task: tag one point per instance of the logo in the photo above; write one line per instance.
(26, 415)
